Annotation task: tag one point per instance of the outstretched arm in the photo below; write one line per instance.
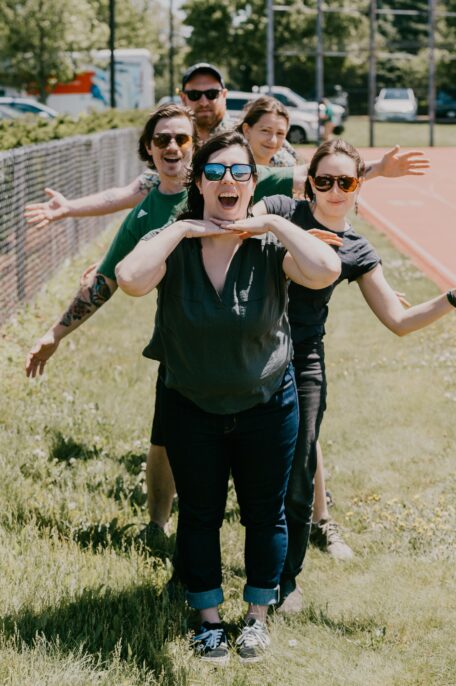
(58, 207)
(394, 164)
(386, 305)
(308, 261)
(89, 298)
(143, 269)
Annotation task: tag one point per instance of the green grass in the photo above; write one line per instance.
(387, 134)
(82, 605)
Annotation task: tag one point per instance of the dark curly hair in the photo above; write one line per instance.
(333, 147)
(195, 201)
(163, 112)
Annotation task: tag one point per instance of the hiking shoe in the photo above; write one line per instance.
(210, 644)
(326, 535)
(253, 641)
(291, 603)
(329, 499)
(153, 539)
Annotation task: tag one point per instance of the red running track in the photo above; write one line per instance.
(418, 213)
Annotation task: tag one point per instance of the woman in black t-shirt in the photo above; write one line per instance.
(332, 188)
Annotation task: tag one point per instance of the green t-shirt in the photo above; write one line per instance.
(155, 211)
(158, 209)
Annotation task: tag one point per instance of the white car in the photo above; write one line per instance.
(296, 103)
(396, 104)
(303, 125)
(28, 106)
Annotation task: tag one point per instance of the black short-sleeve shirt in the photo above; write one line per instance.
(308, 309)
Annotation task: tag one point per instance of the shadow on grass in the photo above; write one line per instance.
(65, 449)
(111, 534)
(136, 623)
(346, 626)
(134, 463)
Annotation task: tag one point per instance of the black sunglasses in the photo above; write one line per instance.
(162, 140)
(347, 184)
(210, 93)
(215, 171)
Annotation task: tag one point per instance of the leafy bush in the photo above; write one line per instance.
(29, 130)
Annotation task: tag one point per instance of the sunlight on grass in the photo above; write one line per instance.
(82, 602)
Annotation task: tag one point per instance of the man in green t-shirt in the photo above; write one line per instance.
(166, 143)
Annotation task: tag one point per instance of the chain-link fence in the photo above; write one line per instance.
(74, 166)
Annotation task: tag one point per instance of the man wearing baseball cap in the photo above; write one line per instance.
(204, 92)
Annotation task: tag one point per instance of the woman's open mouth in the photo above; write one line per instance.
(228, 200)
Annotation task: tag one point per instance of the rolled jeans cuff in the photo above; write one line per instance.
(205, 599)
(261, 596)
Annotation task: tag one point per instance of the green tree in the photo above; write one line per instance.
(39, 39)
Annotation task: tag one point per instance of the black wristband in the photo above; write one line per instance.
(451, 296)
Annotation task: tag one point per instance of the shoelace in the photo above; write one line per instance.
(253, 635)
(210, 638)
(331, 531)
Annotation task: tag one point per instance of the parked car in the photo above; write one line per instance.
(396, 104)
(445, 106)
(295, 102)
(7, 112)
(29, 106)
(303, 125)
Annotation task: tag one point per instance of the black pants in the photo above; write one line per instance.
(309, 364)
(257, 447)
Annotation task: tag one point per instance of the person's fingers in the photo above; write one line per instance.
(32, 370)
(43, 223)
(50, 192)
(32, 219)
(32, 208)
(419, 162)
(41, 367)
(393, 151)
(412, 153)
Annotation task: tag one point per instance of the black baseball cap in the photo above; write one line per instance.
(202, 68)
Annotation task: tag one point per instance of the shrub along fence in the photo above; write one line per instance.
(75, 166)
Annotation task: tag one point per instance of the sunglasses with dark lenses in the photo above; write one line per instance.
(215, 171)
(347, 184)
(162, 140)
(210, 93)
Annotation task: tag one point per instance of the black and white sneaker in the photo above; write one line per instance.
(253, 641)
(210, 644)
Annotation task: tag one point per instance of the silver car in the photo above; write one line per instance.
(396, 104)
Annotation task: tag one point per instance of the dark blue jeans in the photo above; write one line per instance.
(257, 447)
(309, 364)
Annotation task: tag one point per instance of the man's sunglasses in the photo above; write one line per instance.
(210, 93)
(347, 184)
(162, 140)
(215, 171)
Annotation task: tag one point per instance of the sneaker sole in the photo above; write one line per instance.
(222, 661)
(251, 660)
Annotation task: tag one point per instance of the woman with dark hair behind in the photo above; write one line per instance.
(332, 187)
(228, 398)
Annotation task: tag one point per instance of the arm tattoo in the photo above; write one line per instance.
(97, 294)
(367, 169)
